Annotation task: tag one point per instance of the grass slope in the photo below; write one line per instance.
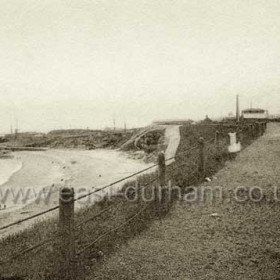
(42, 263)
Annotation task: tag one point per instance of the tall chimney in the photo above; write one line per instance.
(237, 108)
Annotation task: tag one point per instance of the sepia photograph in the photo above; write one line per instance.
(140, 140)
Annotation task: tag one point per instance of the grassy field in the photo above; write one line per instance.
(221, 238)
(42, 263)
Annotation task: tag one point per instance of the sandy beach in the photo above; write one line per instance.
(33, 180)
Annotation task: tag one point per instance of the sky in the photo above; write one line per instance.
(82, 63)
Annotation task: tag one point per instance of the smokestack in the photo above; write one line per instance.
(237, 108)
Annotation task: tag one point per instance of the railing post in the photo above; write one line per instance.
(255, 130)
(161, 169)
(259, 129)
(104, 202)
(162, 184)
(251, 130)
(201, 156)
(66, 234)
(239, 135)
(263, 127)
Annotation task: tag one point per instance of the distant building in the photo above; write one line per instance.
(274, 117)
(230, 117)
(207, 120)
(254, 113)
(173, 122)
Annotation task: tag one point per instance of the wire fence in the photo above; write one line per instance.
(91, 193)
(110, 231)
(194, 159)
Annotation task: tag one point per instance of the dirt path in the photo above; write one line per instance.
(222, 239)
(172, 136)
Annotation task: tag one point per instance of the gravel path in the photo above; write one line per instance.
(221, 239)
(173, 137)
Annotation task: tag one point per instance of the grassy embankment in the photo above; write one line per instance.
(42, 263)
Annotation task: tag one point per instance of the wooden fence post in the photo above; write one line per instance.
(251, 130)
(263, 127)
(104, 201)
(259, 129)
(66, 234)
(201, 167)
(240, 135)
(255, 130)
(162, 184)
(161, 169)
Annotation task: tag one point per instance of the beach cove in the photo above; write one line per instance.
(31, 180)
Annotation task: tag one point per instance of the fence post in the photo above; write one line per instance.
(161, 169)
(104, 202)
(201, 156)
(255, 130)
(240, 135)
(66, 234)
(259, 129)
(251, 130)
(263, 126)
(162, 183)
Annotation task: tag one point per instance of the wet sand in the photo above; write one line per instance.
(34, 188)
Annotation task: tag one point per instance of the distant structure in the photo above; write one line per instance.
(254, 114)
(275, 117)
(230, 117)
(173, 122)
(206, 120)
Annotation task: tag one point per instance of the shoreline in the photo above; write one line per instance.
(9, 167)
(53, 169)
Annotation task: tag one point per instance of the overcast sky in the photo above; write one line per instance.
(80, 63)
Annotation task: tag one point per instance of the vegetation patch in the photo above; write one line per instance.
(183, 172)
